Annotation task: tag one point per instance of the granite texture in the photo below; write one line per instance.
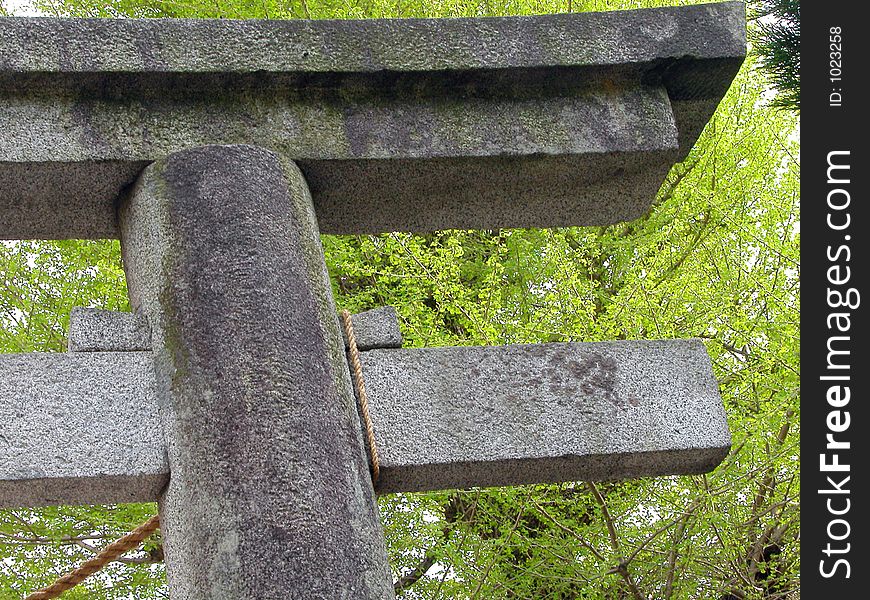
(270, 495)
(97, 330)
(375, 328)
(509, 415)
(539, 121)
(79, 428)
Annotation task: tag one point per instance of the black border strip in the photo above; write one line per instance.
(834, 174)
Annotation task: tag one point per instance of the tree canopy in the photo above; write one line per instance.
(716, 257)
(777, 39)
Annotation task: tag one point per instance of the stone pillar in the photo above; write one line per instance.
(269, 495)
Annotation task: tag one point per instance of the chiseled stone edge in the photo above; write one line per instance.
(97, 330)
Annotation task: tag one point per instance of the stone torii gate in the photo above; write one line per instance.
(217, 151)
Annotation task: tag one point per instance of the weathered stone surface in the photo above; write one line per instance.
(367, 46)
(79, 428)
(96, 330)
(479, 416)
(270, 494)
(375, 328)
(480, 123)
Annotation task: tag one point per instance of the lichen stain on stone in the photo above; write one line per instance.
(82, 114)
(610, 86)
(226, 561)
(514, 401)
(665, 28)
(559, 389)
(593, 374)
(172, 337)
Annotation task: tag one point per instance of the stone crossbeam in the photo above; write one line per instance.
(511, 415)
(83, 427)
(397, 125)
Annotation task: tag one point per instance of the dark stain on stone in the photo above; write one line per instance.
(594, 375)
(513, 398)
(151, 51)
(537, 350)
(90, 137)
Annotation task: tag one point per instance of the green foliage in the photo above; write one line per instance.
(716, 257)
(777, 39)
(42, 281)
(334, 9)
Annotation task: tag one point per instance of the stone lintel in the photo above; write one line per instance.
(82, 428)
(397, 125)
(204, 46)
(79, 428)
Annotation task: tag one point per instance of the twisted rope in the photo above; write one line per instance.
(91, 566)
(360, 387)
